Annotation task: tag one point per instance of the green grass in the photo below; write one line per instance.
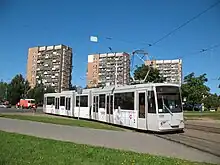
(19, 149)
(205, 114)
(63, 121)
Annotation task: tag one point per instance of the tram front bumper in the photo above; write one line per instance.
(168, 126)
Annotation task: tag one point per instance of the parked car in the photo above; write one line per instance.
(5, 105)
(189, 107)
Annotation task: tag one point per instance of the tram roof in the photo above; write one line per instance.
(119, 87)
(124, 87)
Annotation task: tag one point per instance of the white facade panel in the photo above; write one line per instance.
(90, 58)
(58, 47)
(42, 48)
(49, 47)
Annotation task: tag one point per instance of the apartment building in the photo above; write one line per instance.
(50, 64)
(170, 69)
(102, 69)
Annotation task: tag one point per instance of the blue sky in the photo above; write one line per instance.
(28, 23)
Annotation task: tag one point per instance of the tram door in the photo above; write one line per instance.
(142, 110)
(109, 108)
(95, 107)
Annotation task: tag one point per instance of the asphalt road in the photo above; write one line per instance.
(143, 143)
(14, 110)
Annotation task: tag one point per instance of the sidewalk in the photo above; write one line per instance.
(138, 142)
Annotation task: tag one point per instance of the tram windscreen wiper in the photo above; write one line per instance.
(164, 106)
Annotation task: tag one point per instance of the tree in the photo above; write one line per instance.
(153, 76)
(17, 89)
(212, 101)
(194, 89)
(38, 92)
(3, 91)
(49, 89)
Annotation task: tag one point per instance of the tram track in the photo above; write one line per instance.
(203, 128)
(196, 141)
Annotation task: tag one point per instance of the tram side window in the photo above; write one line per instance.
(111, 104)
(83, 101)
(97, 104)
(117, 101)
(77, 101)
(50, 100)
(102, 101)
(107, 105)
(68, 103)
(124, 100)
(57, 103)
(62, 101)
(151, 102)
(94, 102)
(141, 105)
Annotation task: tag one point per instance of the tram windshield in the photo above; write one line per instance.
(168, 98)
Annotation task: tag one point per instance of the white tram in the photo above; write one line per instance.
(155, 107)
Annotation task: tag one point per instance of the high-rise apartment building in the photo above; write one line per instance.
(102, 69)
(50, 64)
(170, 69)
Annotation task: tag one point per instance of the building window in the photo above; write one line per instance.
(62, 101)
(50, 100)
(124, 100)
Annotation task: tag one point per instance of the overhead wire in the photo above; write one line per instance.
(176, 29)
(186, 23)
(172, 31)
